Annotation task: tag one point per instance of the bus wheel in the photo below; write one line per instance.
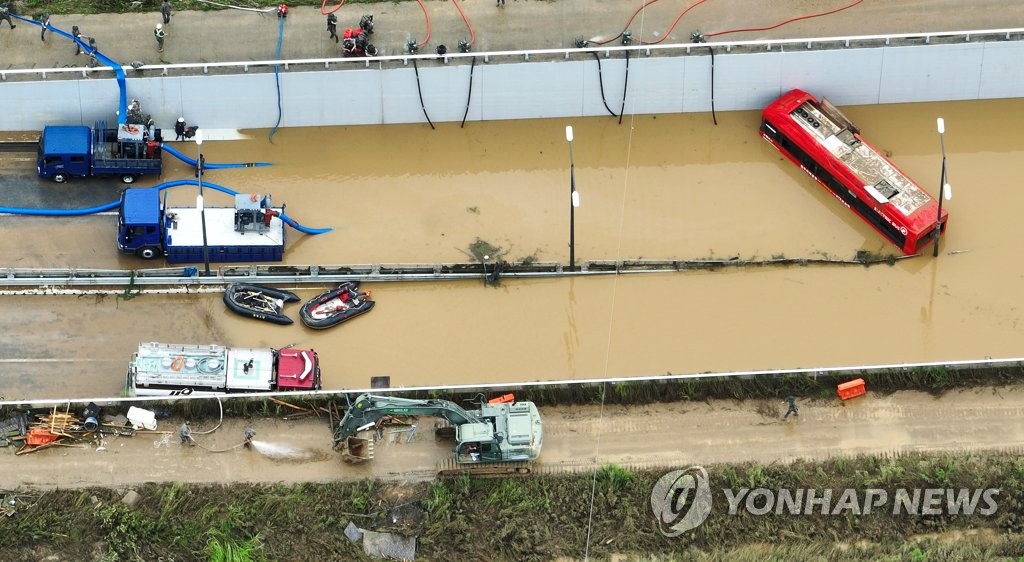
(127, 179)
(60, 178)
(147, 252)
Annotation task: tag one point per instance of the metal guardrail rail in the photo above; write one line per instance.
(504, 387)
(47, 279)
(760, 45)
(316, 274)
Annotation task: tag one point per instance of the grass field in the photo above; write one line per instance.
(535, 518)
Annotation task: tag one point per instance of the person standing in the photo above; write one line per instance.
(5, 14)
(791, 400)
(159, 34)
(185, 432)
(165, 9)
(75, 38)
(332, 26)
(179, 129)
(44, 23)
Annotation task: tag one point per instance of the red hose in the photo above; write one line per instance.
(673, 26)
(629, 21)
(427, 16)
(790, 20)
(472, 34)
(335, 9)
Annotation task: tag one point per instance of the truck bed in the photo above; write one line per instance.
(184, 237)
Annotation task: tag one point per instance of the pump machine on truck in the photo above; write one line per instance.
(251, 231)
(498, 438)
(130, 150)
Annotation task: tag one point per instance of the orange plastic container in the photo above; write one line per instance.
(851, 389)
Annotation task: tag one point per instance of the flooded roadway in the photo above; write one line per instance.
(671, 186)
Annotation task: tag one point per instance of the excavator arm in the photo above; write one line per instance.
(369, 408)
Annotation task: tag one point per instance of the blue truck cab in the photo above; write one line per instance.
(127, 151)
(139, 223)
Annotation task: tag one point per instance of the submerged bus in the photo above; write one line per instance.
(820, 139)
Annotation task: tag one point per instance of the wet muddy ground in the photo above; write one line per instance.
(672, 186)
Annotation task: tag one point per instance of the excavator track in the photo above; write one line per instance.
(450, 468)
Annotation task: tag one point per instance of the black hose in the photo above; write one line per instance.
(624, 84)
(420, 91)
(469, 96)
(713, 116)
(600, 81)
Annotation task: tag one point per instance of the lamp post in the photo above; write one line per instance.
(200, 164)
(945, 191)
(574, 202)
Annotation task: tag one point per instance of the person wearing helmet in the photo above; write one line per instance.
(179, 129)
(159, 34)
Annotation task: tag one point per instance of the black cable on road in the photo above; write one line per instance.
(420, 91)
(469, 96)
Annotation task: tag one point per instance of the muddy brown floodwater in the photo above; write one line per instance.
(667, 186)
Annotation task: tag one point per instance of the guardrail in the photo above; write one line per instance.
(501, 388)
(852, 41)
(46, 279)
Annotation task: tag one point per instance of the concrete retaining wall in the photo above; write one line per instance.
(511, 88)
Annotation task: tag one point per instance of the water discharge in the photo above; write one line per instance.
(667, 186)
(280, 452)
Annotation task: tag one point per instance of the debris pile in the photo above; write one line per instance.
(67, 429)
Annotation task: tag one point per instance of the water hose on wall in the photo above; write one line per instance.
(625, 83)
(600, 81)
(122, 113)
(420, 91)
(277, 75)
(469, 96)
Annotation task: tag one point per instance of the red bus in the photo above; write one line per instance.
(820, 139)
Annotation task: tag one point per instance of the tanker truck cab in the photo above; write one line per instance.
(139, 225)
(63, 152)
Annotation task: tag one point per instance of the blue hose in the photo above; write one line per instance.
(210, 166)
(277, 76)
(60, 212)
(122, 114)
(166, 185)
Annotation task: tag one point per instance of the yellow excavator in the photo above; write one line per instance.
(501, 436)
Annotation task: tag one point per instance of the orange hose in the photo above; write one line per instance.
(335, 9)
(472, 34)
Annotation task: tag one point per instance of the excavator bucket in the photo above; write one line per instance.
(357, 450)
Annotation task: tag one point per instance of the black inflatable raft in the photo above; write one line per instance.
(259, 302)
(336, 306)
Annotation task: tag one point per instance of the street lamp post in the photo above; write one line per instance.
(945, 191)
(200, 165)
(574, 202)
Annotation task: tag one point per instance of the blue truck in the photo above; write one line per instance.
(250, 231)
(128, 151)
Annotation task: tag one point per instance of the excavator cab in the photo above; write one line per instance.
(477, 443)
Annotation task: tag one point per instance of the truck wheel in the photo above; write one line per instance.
(127, 178)
(147, 252)
(60, 178)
